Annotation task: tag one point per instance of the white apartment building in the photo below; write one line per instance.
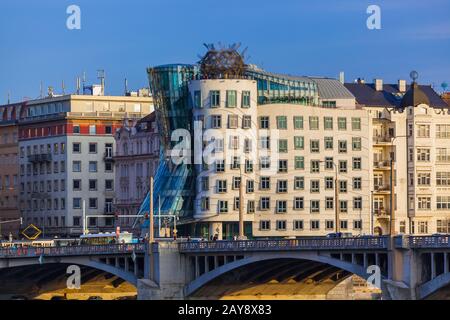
(66, 147)
(289, 154)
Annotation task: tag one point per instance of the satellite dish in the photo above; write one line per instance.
(414, 75)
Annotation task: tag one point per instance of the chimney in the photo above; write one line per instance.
(402, 85)
(360, 81)
(378, 84)
(341, 77)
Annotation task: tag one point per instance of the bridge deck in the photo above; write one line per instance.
(110, 249)
(363, 243)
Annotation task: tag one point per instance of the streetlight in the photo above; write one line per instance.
(336, 201)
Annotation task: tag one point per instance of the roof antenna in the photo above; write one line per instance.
(63, 87)
(41, 92)
(9, 97)
(78, 85)
(126, 86)
(84, 80)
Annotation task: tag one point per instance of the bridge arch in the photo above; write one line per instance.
(247, 260)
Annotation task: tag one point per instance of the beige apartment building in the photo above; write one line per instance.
(411, 127)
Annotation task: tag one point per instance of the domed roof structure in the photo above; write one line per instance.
(223, 63)
(414, 96)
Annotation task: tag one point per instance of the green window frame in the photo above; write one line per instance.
(298, 122)
(299, 142)
(299, 162)
(281, 122)
(231, 101)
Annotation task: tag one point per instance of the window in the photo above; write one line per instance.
(298, 224)
(342, 123)
(328, 141)
(233, 121)
(329, 164)
(246, 122)
(265, 183)
(357, 203)
(443, 131)
(329, 224)
(92, 185)
(443, 178)
(315, 186)
(356, 163)
(265, 162)
(442, 155)
(315, 166)
(109, 185)
(342, 186)
(221, 186)
(264, 122)
(76, 203)
(265, 203)
(282, 145)
(328, 123)
(236, 182)
(92, 148)
(281, 122)
(281, 225)
(92, 166)
(443, 226)
(423, 178)
(329, 203)
(315, 224)
(357, 183)
(264, 142)
(92, 129)
(299, 143)
(344, 224)
(314, 206)
(299, 162)
(313, 123)
(282, 186)
(76, 185)
(76, 129)
(231, 101)
(250, 206)
(443, 202)
(342, 166)
(250, 188)
(215, 98)
(424, 155)
(298, 122)
(356, 144)
(76, 147)
(315, 146)
(205, 203)
(423, 131)
(109, 166)
(299, 203)
(424, 203)
(216, 121)
(282, 166)
(299, 183)
(281, 206)
(108, 129)
(356, 123)
(329, 183)
(245, 99)
(93, 203)
(342, 146)
(264, 225)
(197, 99)
(343, 206)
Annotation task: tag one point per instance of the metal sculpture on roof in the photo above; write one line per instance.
(222, 63)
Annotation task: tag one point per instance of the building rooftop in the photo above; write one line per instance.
(390, 96)
(332, 89)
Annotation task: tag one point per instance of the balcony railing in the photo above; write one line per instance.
(24, 252)
(382, 213)
(382, 139)
(438, 241)
(382, 188)
(287, 244)
(382, 164)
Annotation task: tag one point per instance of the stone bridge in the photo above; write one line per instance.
(410, 267)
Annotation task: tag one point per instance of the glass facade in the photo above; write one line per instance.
(174, 185)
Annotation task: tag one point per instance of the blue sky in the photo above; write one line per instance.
(317, 38)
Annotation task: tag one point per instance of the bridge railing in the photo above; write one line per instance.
(438, 241)
(287, 244)
(20, 252)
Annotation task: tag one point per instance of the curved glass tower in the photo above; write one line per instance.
(174, 186)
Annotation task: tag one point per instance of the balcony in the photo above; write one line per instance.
(382, 189)
(42, 157)
(382, 164)
(382, 140)
(381, 213)
(108, 156)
